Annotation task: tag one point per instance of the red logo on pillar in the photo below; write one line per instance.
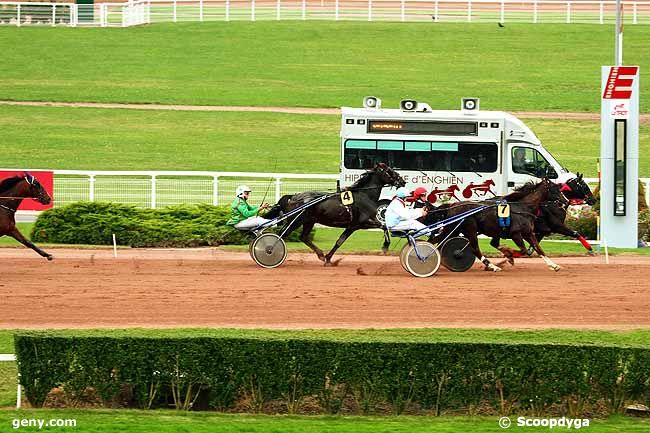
(619, 82)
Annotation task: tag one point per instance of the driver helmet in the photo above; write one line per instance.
(241, 189)
(419, 191)
(402, 192)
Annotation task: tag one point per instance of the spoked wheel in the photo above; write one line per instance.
(457, 255)
(381, 211)
(428, 261)
(269, 250)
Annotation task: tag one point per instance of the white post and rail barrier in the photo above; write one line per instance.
(132, 13)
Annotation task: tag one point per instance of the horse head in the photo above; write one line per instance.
(388, 176)
(577, 188)
(35, 189)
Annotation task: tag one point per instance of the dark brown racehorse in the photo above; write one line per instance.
(524, 206)
(358, 214)
(13, 191)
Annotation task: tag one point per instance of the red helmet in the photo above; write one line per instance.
(419, 191)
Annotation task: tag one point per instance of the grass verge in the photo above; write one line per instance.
(549, 67)
(105, 139)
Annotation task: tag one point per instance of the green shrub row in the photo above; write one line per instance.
(586, 223)
(335, 376)
(93, 223)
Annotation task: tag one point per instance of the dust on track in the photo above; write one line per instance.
(213, 288)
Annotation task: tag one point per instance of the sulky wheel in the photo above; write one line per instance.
(457, 255)
(269, 250)
(402, 256)
(423, 259)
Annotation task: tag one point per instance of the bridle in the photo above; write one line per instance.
(31, 180)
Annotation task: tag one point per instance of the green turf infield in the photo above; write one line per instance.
(549, 67)
(631, 338)
(365, 241)
(137, 421)
(110, 139)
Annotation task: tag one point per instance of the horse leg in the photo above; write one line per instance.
(304, 237)
(473, 243)
(344, 236)
(532, 239)
(384, 248)
(566, 231)
(506, 251)
(15, 233)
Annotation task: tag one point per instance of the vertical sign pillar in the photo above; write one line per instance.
(619, 156)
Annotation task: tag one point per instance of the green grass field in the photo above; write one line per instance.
(319, 64)
(136, 421)
(168, 421)
(108, 139)
(365, 241)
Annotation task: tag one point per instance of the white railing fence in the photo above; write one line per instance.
(154, 11)
(165, 188)
(161, 188)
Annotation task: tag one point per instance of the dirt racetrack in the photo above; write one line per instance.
(209, 287)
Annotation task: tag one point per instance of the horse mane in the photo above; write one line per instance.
(7, 184)
(362, 181)
(521, 191)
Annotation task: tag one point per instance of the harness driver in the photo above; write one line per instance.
(244, 216)
(400, 217)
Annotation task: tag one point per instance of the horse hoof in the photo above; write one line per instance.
(495, 269)
(555, 268)
(50, 257)
(591, 253)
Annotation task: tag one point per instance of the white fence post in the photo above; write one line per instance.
(278, 182)
(600, 14)
(336, 11)
(304, 9)
(568, 13)
(91, 187)
(153, 191)
(369, 10)
(503, 12)
(19, 394)
(227, 10)
(277, 10)
(201, 10)
(53, 14)
(215, 190)
(252, 10)
(469, 11)
(403, 11)
(535, 12)
(18, 18)
(634, 20)
(435, 11)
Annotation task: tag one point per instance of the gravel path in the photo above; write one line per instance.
(294, 110)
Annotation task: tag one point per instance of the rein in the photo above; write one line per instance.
(8, 208)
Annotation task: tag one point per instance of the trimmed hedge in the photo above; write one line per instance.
(93, 223)
(252, 374)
